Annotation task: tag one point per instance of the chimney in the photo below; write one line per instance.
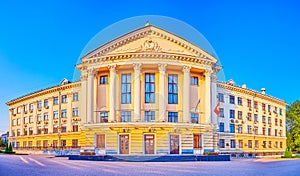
(244, 86)
(263, 91)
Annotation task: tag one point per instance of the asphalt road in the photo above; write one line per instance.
(31, 165)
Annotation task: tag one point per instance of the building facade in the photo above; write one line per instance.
(146, 92)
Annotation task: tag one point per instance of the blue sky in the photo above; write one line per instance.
(41, 41)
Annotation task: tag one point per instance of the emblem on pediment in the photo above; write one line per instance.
(150, 45)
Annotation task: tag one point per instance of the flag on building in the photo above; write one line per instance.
(216, 110)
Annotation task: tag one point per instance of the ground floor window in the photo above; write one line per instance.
(38, 143)
(75, 127)
(24, 143)
(63, 143)
(249, 143)
(74, 143)
(45, 143)
(100, 139)
(256, 144)
(232, 143)
(29, 143)
(222, 143)
(240, 143)
(55, 143)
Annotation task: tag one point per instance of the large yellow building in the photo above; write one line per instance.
(148, 91)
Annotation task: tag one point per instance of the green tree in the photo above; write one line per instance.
(6, 147)
(293, 126)
(10, 149)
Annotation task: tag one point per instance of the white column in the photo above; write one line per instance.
(112, 90)
(137, 92)
(90, 96)
(208, 95)
(162, 97)
(186, 93)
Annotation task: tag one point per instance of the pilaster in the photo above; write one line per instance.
(112, 90)
(162, 90)
(137, 92)
(186, 93)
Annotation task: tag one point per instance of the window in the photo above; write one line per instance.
(75, 127)
(221, 97)
(280, 144)
(38, 143)
(74, 143)
(149, 88)
(194, 80)
(100, 141)
(276, 122)
(63, 143)
(149, 116)
(172, 89)
(263, 119)
(103, 117)
(280, 122)
(231, 113)
(63, 113)
(19, 110)
(256, 144)
(18, 121)
(25, 120)
(221, 127)
(248, 103)
(280, 111)
(232, 128)
(30, 131)
(276, 131)
(232, 143)
(269, 120)
(255, 118)
(39, 117)
(55, 143)
(231, 99)
(75, 96)
(63, 128)
(45, 116)
(270, 144)
(263, 130)
(269, 108)
(276, 144)
(31, 106)
(240, 128)
(194, 118)
(240, 101)
(249, 128)
(45, 143)
(221, 112)
(222, 143)
(18, 132)
(39, 130)
(64, 99)
(197, 141)
(264, 144)
(240, 114)
(46, 103)
(13, 122)
(75, 112)
(126, 89)
(125, 116)
(275, 110)
(104, 79)
(255, 105)
(255, 130)
(45, 130)
(172, 116)
(55, 129)
(39, 104)
(55, 114)
(263, 106)
(249, 143)
(55, 100)
(249, 116)
(280, 133)
(25, 108)
(240, 143)
(25, 131)
(24, 143)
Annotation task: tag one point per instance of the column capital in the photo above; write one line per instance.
(137, 66)
(208, 72)
(162, 67)
(112, 67)
(84, 76)
(186, 68)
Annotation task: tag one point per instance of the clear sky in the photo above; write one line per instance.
(41, 41)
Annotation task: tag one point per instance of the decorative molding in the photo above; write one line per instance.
(186, 69)
(137, 66)
(150, 45)
(162, 68)
(112, 67)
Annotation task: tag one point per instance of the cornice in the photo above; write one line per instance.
(44, 92)
(251, 93)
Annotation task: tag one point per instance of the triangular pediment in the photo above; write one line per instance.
(149, 39)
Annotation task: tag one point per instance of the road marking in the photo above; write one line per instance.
(61, 162)
(37, 162)
(24, 160)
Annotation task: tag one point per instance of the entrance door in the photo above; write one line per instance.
(124, 144)
(149, 143)
(174, 144)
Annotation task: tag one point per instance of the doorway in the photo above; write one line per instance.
(124, 143)
(174, 144)
(149, 143)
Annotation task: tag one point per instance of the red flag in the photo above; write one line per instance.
(216, 110)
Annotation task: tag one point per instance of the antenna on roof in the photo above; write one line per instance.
(147, 23)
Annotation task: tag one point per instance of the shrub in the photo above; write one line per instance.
(288, 153)
(210, 153)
